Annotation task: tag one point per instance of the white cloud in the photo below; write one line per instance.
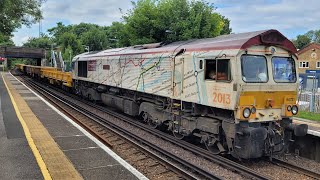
(292, 17)
(20, 38)
(91, 11)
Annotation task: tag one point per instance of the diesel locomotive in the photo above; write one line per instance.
(235, 93)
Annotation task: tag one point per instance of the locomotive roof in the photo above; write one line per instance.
(231, 41)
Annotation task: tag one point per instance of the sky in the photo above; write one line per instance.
(290, 17)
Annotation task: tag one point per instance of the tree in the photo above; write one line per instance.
(42, 42)
(69, 39)
(5, 40)
(82, 28)
(314, 35)
(59, 30)
(149, 20)
(226, 28)
(118, 35)
(14, 13)
(96, 39)
(301, 41)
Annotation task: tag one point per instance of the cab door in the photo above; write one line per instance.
(177, 75)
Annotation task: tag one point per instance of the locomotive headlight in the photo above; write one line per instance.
(289, 108)
(246, 112)
(253, 110)
(294, 109)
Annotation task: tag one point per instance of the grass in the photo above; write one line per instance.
(309, 115)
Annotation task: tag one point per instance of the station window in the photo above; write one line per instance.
(318, 64)
(303, 64)
(82, 69)
(218, 70)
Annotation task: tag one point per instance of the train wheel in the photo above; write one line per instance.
(175, 131)
(152, 123)
(213, 145)
(148, 119)
(178, 135)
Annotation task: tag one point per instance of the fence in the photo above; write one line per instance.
(309, 101)
(309, 94)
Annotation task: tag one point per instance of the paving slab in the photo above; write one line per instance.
(16, 158)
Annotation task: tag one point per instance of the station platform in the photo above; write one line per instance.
(40, 142)
(313, 126)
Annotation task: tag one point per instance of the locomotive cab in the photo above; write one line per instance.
(267, 102)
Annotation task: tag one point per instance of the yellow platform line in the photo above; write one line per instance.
(51, 160)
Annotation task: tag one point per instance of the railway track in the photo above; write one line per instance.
(295, 168)
(231, 165)
(160, 167)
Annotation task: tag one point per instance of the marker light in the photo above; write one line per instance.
(253, 110)
(289, 108)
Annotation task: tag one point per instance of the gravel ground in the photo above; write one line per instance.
(274, 171)
(304, 163)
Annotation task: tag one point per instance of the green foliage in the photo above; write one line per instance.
(5, 40)
(305, 39)
(58, 31)
(309, 115)
(118, 35)
(96, 39)
(314, 35)
(14, 13)
(43, 42)
(301, 41)
(12, 62)
(149, 21)
(70, 39)
(78, 30)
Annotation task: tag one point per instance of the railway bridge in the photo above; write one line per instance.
(21, 52)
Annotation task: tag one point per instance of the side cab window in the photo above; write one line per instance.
(82, 69)
(217, 69)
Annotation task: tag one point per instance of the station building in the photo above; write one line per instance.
(309, 66)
